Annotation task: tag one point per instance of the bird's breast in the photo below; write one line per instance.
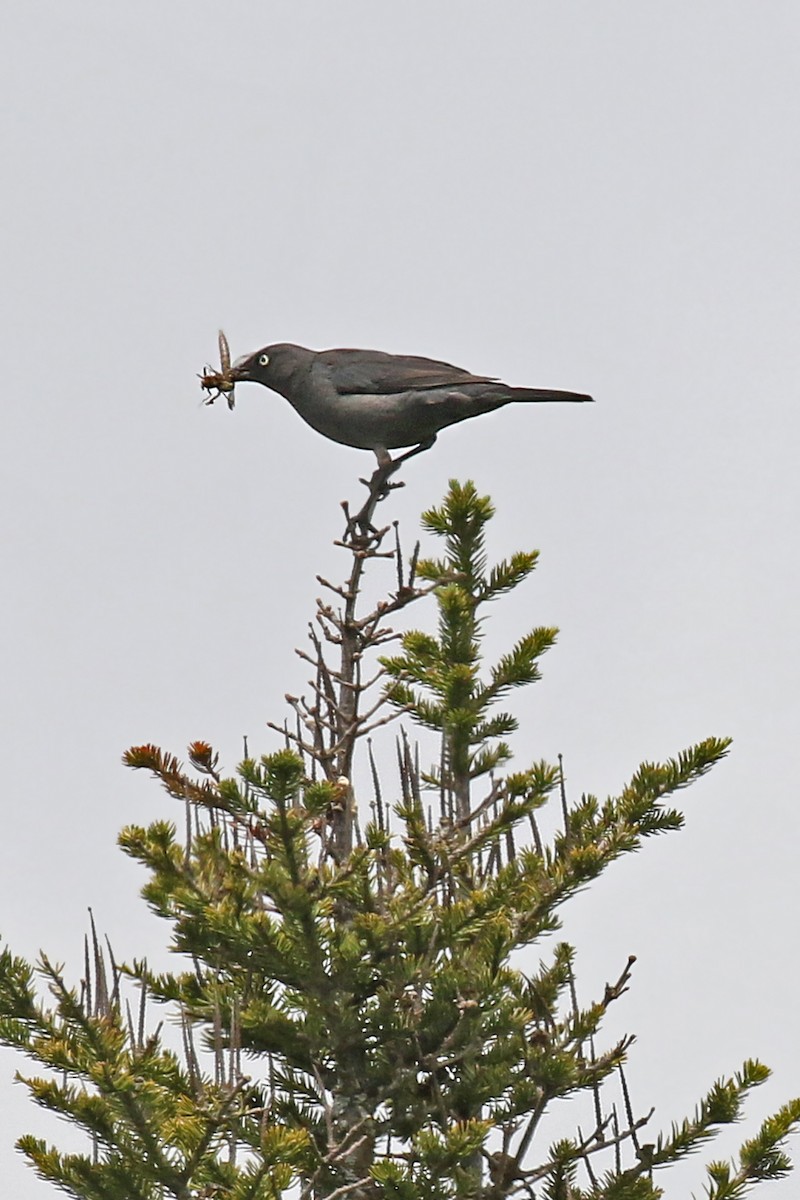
(368, 421)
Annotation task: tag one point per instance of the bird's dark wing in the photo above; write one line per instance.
(371, 372)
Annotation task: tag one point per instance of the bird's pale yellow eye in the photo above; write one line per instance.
(263, 360)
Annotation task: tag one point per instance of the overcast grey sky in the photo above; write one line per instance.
(593, 195)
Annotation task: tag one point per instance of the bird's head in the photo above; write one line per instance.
(273, 366)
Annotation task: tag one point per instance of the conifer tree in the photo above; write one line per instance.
(354, 1018)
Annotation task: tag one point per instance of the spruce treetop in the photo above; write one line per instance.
(353, 1016)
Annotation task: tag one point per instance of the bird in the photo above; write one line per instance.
(377, 401)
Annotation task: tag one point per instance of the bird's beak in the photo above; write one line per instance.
(240, 371)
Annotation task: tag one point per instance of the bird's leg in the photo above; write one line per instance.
(410, 453)
(388, 465)
(360, 526)
(379, 487)
(379, 480)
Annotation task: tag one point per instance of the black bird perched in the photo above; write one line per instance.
(377, 401)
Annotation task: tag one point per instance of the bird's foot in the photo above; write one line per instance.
(379, 481)
(388, 465)
(360, 528)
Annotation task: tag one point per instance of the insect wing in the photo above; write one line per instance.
(224, 353)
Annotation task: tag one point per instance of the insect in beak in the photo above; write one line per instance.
(222, 382)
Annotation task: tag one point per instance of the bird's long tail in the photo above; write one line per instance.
(546, 396)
